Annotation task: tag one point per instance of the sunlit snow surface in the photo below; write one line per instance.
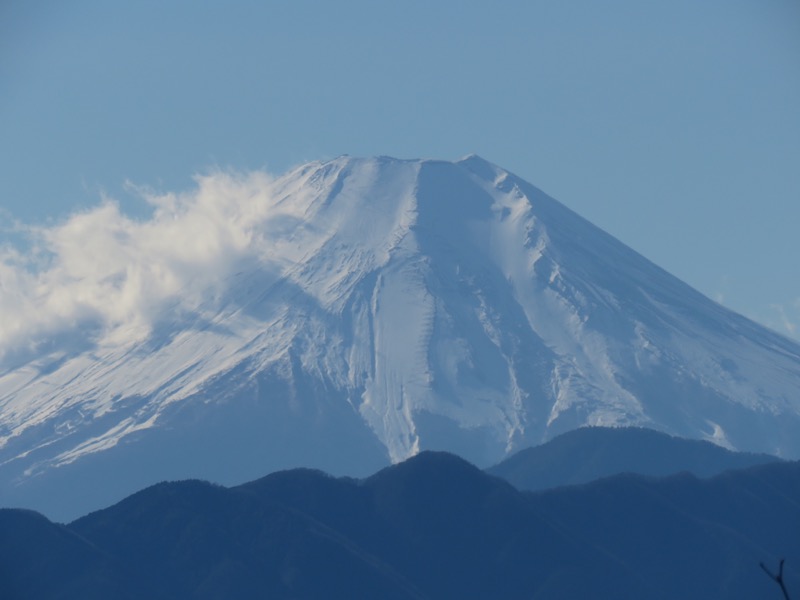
(440, 305)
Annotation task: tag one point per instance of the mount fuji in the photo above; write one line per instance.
(378, 308)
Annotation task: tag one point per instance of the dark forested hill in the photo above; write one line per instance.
(432, 527)
(590, 453)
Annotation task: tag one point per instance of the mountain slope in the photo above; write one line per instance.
(431, 527)
(591, 453)
(691, 538)
(376, 308)
(39, 559)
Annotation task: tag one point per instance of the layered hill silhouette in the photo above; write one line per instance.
(434, 526)
(590, 453)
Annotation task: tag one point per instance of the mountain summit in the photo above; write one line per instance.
(377, 308)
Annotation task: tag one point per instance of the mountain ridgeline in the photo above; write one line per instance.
(433, 526)
(386, 307)
(591, 453)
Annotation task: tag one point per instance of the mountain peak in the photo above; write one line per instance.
(356, 312)
(479, 166)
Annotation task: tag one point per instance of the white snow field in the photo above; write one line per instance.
(367, 309)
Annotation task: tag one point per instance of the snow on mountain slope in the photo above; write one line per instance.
(372, 308)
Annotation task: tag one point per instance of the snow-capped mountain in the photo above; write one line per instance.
(384, 307)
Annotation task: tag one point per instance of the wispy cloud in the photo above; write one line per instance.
(720, 293)
(786, 322)
(104, 275)
(785, 318)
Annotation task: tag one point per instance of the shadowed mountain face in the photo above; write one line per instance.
(39, 559)
(375, 308)
(431, 527)
(590, 453)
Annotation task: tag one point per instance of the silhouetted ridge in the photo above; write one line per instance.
(41, 559)
(194, 538)
(690, 537)
(427, 467)
(432, 527)
(591, 453)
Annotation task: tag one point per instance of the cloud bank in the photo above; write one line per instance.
(104, 277)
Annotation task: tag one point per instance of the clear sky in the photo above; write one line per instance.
(672, 124)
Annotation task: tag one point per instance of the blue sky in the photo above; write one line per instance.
(673, 125)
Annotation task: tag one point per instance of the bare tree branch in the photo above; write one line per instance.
(777, 577)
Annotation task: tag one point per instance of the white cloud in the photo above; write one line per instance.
(720, 294)
(787, 323)
(102, 275)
